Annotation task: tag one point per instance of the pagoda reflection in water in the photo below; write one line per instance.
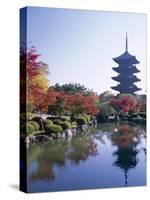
(125, 156)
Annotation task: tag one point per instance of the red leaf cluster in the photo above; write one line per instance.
(71, 102)
(124, 104)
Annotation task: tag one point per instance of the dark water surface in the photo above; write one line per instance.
(113, 155)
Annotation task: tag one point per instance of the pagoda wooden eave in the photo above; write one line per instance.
(126, 57)
(120, 78)
(130, 89)
(120, 69)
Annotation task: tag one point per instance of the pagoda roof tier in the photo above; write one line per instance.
(126, 58)
(131, 69)
(126, 79)
(128, 90)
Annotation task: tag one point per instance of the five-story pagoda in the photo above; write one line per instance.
(126, 69)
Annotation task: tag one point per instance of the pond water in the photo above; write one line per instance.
(111, 155)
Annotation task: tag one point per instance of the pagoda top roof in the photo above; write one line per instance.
(126, 56)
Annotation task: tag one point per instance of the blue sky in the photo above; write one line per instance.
(78, 45)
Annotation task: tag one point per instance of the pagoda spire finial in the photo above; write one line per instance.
(126, 42)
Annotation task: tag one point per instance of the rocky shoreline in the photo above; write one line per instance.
(68, 133)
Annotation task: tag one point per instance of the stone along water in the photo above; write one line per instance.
(112, 155)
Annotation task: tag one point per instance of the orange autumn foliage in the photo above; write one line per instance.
(35, 73)
(41, 96)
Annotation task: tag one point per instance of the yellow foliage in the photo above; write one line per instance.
(39, 81)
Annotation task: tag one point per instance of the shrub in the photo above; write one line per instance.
(27, 115)
(87, 117)
(57, 121)
(74, 124)
(66, 125)
(39, 120)
(81, 120)
(35, 125)
(27, 128)
(53, 128)
(48, 121)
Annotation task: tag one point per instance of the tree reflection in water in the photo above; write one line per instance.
(81, 149)
(75, 150)
(44, 171)
(47, 155)
(57, 153)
